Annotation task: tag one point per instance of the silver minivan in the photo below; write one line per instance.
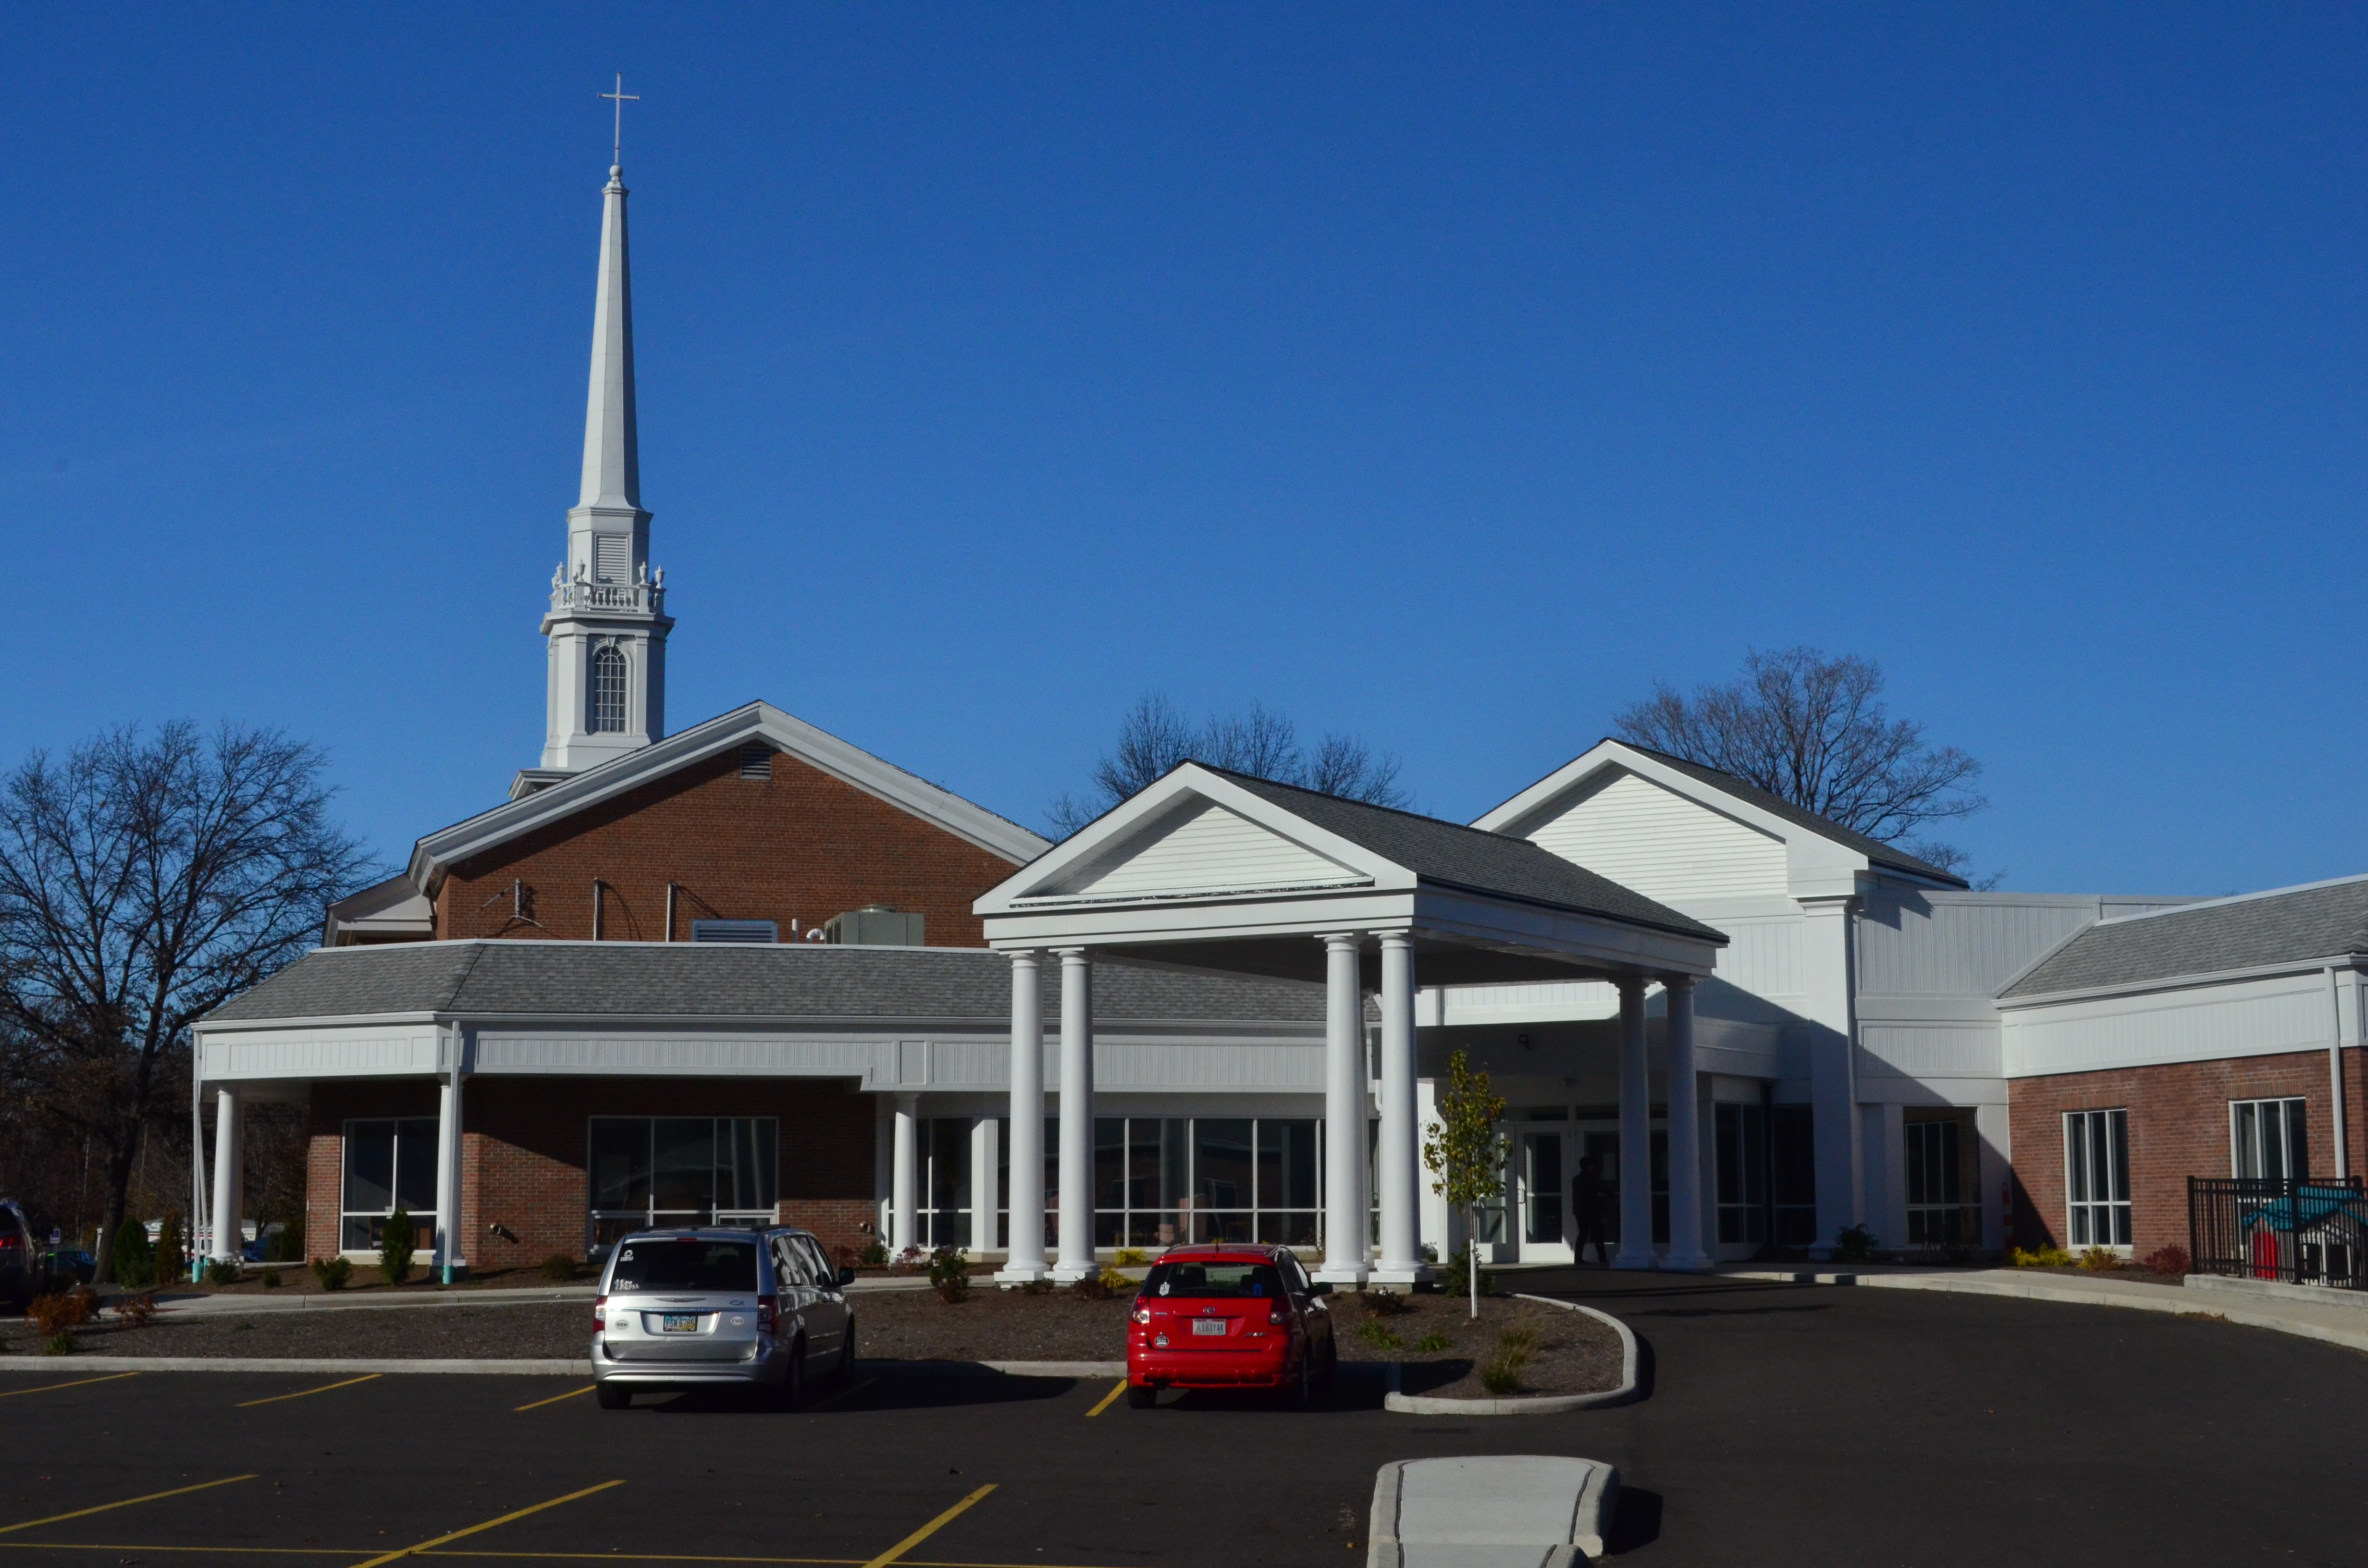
(684, 1309)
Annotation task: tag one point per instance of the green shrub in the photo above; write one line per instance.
(2043, 1257)
(1501, 1373)
(1457, 1280)
(2100, 1260)
(1132, 1257)
(271, 1280)
(558, 1267)
(1037, 1288)
(134, 1261)
(1097, 1287)
(222, 1271)
(875, 1255)
(1376, 1333)
(171, 1264)
(1431, 1343)
(334, 1273)
(950, 1275)
(60, 1343)
(1386, 1303)
(1853, 1243)
(394, 1246)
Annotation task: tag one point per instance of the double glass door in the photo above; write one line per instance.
(1546, 1164)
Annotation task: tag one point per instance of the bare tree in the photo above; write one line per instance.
(1154, 737)
(1813, 730)
(142, 885)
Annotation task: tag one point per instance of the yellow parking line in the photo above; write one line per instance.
(220, 1550)
(843, 1393)
(382, 1559)
(555, 1399)
(151, 1497)
(1105, 1405)
(300, 1393)
(925, 1531)
(78, 1382)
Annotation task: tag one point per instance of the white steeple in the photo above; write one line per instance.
(606, 626)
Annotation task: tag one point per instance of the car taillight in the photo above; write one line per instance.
(1141, 1314)
(10, 1240)
(600, 1315)
(1278, 1314)
(767, 1313)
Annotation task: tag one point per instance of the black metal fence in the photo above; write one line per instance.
(2301, 1230)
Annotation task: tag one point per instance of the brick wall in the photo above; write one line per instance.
(800, 845)
(523, 1146)
(2177, 1128)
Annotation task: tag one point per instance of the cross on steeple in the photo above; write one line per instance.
(617, 150)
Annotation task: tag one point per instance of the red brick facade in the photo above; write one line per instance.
(523, 1150)
(801, 847)
(2177, 1128)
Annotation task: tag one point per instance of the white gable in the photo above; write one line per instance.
(1201, 848)
(1660, 843)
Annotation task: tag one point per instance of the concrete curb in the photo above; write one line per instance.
(2279, 1290)
(209, 1306)
(2151, 1301)
(1534, 1404)
(1464, 1514)
(68, 1365)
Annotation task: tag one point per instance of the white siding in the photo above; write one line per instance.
(2201, 1024)
(1763, 957)
(1205, 849)
(1947, 947)
(1929, 1051)
(1663, 844)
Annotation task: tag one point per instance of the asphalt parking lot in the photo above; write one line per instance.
(1785, 1424)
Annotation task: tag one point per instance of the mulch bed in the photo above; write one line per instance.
(992, 1325)
(491, 1333)
(1575, 1353)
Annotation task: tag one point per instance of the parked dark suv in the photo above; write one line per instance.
(24, 1267)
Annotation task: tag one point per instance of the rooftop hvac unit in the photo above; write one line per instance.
(875, 926)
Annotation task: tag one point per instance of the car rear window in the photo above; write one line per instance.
(1201, 1279)
(687, 1264)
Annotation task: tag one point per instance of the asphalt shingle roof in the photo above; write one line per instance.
(1875, 849)
(714, 980)
(1447, 852)
(2227, 934)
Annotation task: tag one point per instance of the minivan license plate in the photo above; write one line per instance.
(678, 1322)
(1208, 1326)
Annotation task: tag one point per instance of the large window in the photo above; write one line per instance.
(608, 694)
(1792, 1173)
(2097, 1176)
(944, 1153)
(1159, 1181)
(2268, 1138)
(389, 1162)
(1742, 1144)
(1943, 1180)
(681, 1170)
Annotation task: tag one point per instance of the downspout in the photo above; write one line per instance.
(670, 913)
(197, 1158)
(595, 909)
(2335, 1077)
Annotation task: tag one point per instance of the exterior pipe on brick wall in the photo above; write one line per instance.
(2335, 1076)
(793, 924)
(595, 908)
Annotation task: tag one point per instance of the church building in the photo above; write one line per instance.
(746, 972)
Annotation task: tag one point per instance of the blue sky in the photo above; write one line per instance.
(1448, 375)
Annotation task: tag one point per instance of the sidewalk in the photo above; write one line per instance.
(194, 1304)
(2335, 1322)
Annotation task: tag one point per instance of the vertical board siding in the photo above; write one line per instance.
(1931, 1051)
(1911, 948)
(1207, 849)
(1593, 995)
(1663, 844)
(1763, 957)
(2180, 1027)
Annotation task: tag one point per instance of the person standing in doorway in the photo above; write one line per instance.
(1587, 1196)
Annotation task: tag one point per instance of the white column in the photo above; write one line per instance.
(226, 1216)
(1400, 1164)
(1025, 1260)
(1685, 1130)
(905, 1178)
(1992, 1129)
(1344, 1113)
(983, 1181)
(1830, 1036)
(448, 1177)
(1076, 1229)
(1635, 1132)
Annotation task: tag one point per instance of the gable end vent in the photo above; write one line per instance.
(757, 932)
(756, 760)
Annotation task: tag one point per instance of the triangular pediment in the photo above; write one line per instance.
(1197, 846)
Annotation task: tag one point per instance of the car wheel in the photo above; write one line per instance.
(1302, 1393)
(613, 1396)
(846, 1352)
(1141, 1396)
(793, 1381)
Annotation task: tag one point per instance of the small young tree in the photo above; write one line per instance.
(1465, 1154)
(394, 1246)
(171, 1264)
(133, 1263)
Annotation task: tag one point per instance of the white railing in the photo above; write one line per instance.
(642, 597)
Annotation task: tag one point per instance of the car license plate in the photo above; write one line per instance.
(1208, 1326)
(678, 1322)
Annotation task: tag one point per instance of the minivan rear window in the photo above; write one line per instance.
(1204, 1280)
(688, 1264)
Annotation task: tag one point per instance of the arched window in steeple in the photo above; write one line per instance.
(607, 716)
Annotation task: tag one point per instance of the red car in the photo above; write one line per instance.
(1227, 1316)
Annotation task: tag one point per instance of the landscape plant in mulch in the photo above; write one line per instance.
(559, 1268)
(334, 1273)
(171, 1264)
(1466, 1153)
(394, 1247)
(1517, 1346)
(950, 1275)
(56, 1316)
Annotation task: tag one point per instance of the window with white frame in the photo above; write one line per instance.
(607, 715)
(649, 1171)
(390, 1163)
(2268, 1138)
(1159, 1181)
(2097, 1176)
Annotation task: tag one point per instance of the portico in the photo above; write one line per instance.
(1217, 871)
